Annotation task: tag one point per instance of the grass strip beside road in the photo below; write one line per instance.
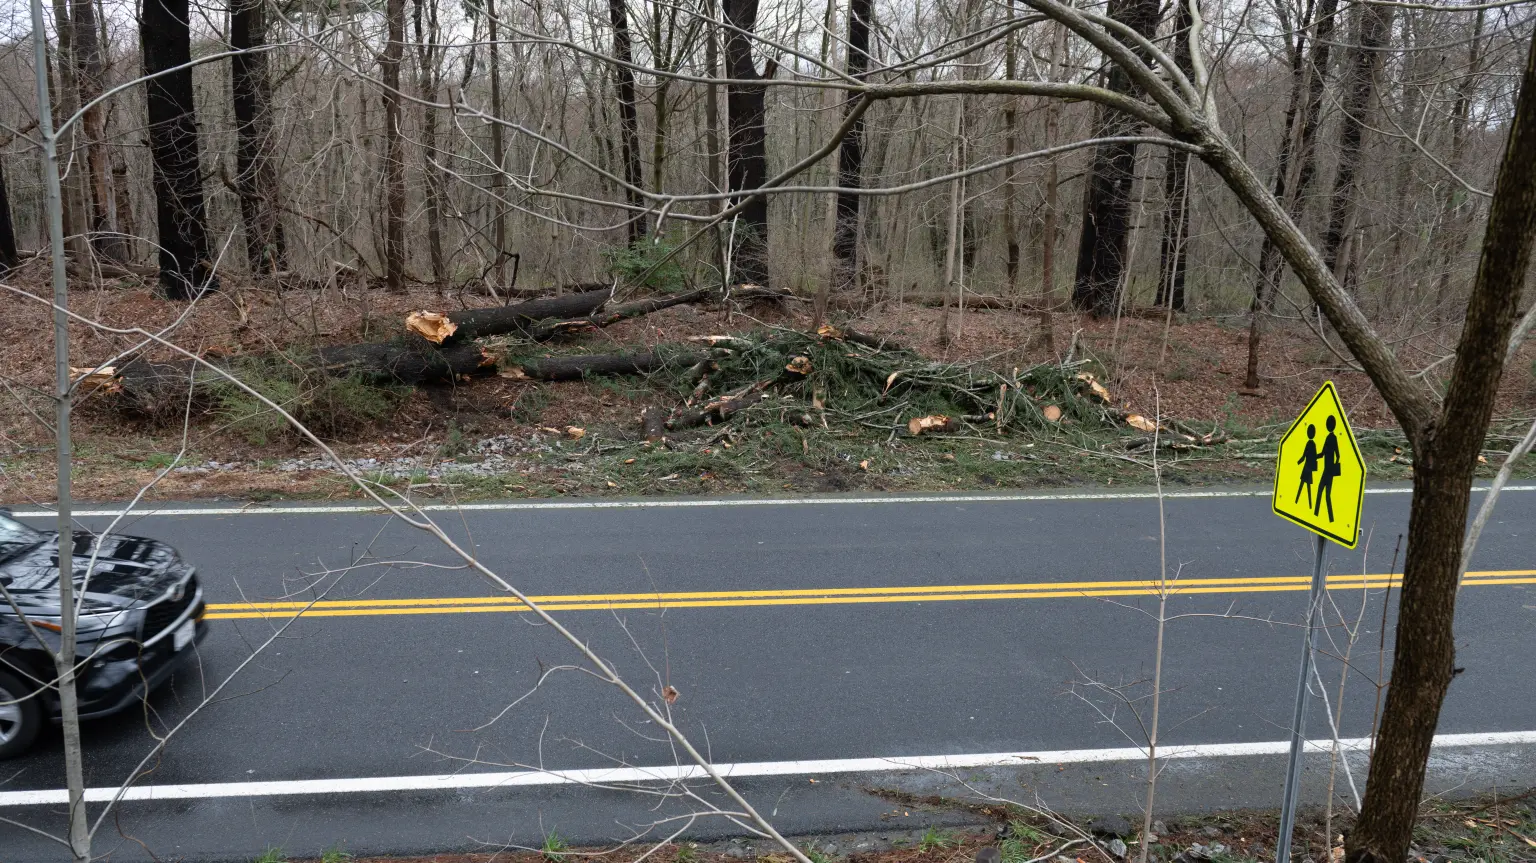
(823, 596)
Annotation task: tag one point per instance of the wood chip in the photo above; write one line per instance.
(432, 326)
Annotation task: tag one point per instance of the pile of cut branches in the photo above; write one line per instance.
(790, 376)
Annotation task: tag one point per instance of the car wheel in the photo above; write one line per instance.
(19, 720)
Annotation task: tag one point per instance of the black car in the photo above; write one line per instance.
(141, 615)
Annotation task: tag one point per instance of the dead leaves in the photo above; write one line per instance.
(799, 366)
(1141, 423)
(432, 326)
(670, 695)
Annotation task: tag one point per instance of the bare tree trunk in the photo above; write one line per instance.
(952, 243)
(1175, 243)
(255, 178)
(629, 121)
(850, 154)
(429, 58)
(186, 268)
(747, 153)
(712, 121)
(8, 255)
(1052, 207)
(394, 163)
(1311, 78)
(1453, 231)
(1359, 88)
(1010, 148)
(88, 78)
(1445, 461)
(1101, 249)
(498, 146)
(76, 222)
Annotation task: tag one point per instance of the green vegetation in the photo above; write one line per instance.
(334, 855)
(271, 855)
(631, 264)
(935, 839)
(554, 846)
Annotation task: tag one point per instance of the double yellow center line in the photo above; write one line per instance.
(824, 596)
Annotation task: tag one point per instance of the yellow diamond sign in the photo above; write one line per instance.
(1320, 476)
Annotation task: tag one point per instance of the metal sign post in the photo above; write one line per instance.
(1299, 721)
(1320, 485)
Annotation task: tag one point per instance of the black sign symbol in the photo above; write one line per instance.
(1331, 467)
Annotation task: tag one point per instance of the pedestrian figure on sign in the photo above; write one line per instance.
(1308, 462)
(1331, 469)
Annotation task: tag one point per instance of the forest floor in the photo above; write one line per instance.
(1481, 830)
(501, 436)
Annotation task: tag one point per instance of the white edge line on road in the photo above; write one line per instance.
(609, 776)
(509, 506)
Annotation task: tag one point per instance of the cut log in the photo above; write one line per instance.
(653, 424)
(499, 321)
(155, 388)
(849, 334)
(721, 409)
(577, 367)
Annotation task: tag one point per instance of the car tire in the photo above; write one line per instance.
(20, 721)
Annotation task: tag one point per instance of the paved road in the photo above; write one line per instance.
(828, 630)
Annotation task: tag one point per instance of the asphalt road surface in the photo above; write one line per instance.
(409, 707)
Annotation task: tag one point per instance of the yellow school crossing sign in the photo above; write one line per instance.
(1320, 476)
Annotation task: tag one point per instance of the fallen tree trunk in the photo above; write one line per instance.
(497, 321)
(156, 388)
(577, 367)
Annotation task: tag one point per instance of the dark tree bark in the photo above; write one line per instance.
(1107, 203)
(76, 218)
(1011, 147)
(578, 367)
(429, 56)
(712, 120)
(747, 151)
(1445, 461)
(850, 153)
(474, 323)
(498, 144)
(394, 162)
(186, 268)
(1453, 230)
(1175, 245)
(255, 177)
(8, 255)
(629, 120)
(1359, 89)
(150, 387)
(1309, 78)
(88, 78)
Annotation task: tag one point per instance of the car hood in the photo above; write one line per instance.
(130, 571)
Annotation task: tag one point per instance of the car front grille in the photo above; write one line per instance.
(167, 611)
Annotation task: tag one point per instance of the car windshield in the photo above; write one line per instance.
(15, 536)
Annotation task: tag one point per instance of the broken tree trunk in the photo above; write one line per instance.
(475, 323)
(577, 367)
(153, 388)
